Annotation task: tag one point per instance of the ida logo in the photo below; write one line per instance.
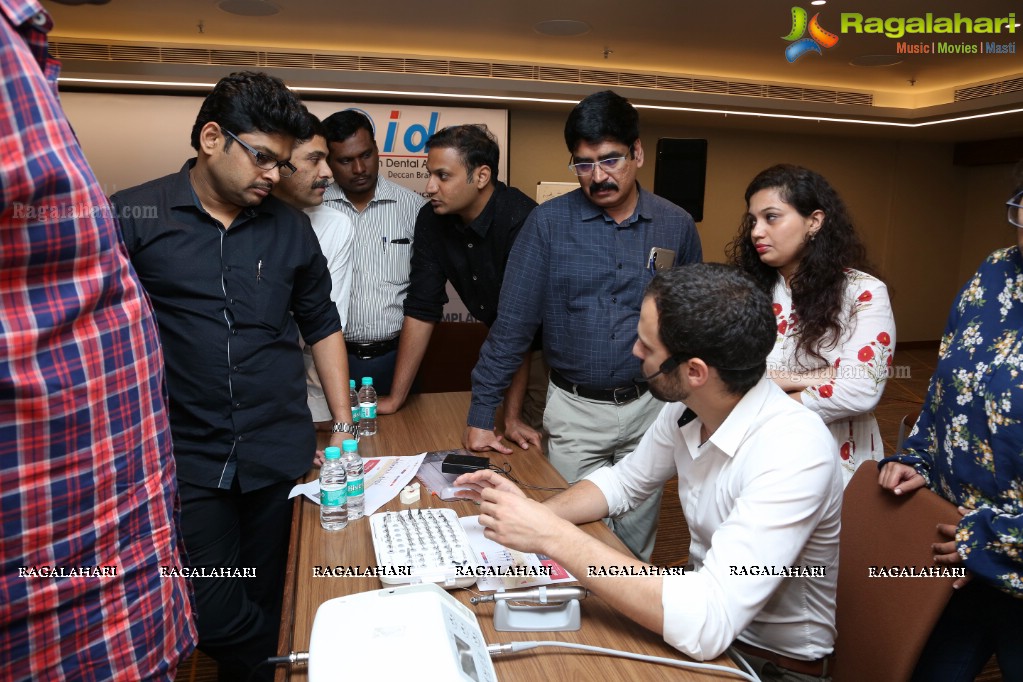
(818, 38)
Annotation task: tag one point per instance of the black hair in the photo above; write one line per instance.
(719, 314)
(341, 125)
(602, 116)
(246, 102)
(316, 127)
(475, 144)
(819, 283)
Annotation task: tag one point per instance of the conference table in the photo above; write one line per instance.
(434, 422)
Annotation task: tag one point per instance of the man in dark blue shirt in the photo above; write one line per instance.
(464, 236)
(580, 267)
(226, 265)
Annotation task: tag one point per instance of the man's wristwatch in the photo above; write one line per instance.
(350, 429)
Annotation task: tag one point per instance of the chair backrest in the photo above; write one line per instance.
(905, 428)
(884, 622)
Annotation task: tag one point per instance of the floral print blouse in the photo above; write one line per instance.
(968, 442)
(860, 361)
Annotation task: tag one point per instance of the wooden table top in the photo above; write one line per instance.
(431, 422)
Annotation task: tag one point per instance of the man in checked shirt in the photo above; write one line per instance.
(580, 266)
(87, 485)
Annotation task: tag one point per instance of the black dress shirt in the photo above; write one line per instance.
(223, 299)
(472, 257)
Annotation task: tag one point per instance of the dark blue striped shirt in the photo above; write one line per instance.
(583, 276)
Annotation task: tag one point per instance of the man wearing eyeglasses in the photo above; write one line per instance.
(234, 275)
(579, 267)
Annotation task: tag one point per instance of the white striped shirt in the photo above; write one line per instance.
(381, 258)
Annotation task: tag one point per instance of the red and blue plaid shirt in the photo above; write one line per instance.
(87, 486)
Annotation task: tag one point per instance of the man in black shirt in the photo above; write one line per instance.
(226, 265)
(464, 236)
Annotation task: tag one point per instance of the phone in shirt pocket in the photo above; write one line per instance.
(660, 259)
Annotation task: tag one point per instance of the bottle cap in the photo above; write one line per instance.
(351, 383)
(350, 445)
(367, 381)
(332, 453)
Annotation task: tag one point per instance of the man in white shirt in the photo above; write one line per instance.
(758, 480)
(384, 216)
(304, 191)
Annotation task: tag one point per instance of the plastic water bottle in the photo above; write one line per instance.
(353, 467)
(353, 399)
(368, 406)
(333, 491)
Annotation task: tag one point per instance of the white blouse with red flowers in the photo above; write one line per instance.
(861, 361)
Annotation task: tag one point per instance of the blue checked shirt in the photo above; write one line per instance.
(583, 276)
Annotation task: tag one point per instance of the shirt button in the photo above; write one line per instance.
(614, 299)
(39, 19)
(619, 266)
(231, 301)
(612, 336)
(241, 438)
(469, 245)
(237, 404)
(227, 268)
(474, 278)
(235, 368)
(234, 332)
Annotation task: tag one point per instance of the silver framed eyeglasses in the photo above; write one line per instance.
(615, 163)
(1015, 206)
(262, 160)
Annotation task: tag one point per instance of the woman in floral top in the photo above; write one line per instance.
(836, 332)
(967, 446)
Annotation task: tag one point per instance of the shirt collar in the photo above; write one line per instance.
(385, 190)
(485, 219)
(21, 11)
(733, 431)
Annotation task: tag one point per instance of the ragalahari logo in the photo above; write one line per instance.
(818, 36)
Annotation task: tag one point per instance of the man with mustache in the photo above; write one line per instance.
(384, 216)
(304, 191)
(579, 267)
(234, 275)
(87, 489)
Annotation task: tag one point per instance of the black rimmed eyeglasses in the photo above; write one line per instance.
(1015, 206)
(263, 160)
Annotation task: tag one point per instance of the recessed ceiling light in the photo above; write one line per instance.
(876, 60)
(249, 8)
(819, 2)
(561, 27)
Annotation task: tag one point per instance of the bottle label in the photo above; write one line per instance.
(333, 498)
(369, 410)
(355, 487)
(356, 413)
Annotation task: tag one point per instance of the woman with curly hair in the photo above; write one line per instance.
(836, 332)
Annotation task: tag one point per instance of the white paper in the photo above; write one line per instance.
(384, 477)
(494, 555)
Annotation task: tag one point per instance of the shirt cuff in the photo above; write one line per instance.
(606, 481)
(481, 417)
(685, 613)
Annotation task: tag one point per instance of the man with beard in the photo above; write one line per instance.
(758, 480)
(579, 267)
(304, 191)
(384, 216)
(234, 275)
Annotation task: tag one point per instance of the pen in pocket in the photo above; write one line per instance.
(259, 270)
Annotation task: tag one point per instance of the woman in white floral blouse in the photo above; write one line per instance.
(967, 446)
(836, 332)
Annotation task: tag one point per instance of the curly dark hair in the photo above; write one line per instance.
(818, 285)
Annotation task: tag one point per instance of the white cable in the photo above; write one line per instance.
(738, 657)
(515, 647)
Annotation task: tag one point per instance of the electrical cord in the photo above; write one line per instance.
(506, 471)
(516, 647)
(292, 659)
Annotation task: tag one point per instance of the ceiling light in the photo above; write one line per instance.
(558, 100)
(819, 2)
(249, 8)
(561, 27)
(876, 60)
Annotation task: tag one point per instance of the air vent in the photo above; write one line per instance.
(989, 89)
(172, 54)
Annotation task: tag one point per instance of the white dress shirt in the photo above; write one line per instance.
(381, 258)
(334, 231)
(762, 495)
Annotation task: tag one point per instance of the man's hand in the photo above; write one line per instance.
(335, 442)
(899, 478)
(481, 440)
(511, 518)
(388, 405)
(947, 552)
(521, 433)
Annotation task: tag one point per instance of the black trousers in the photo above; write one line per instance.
(238, 618)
